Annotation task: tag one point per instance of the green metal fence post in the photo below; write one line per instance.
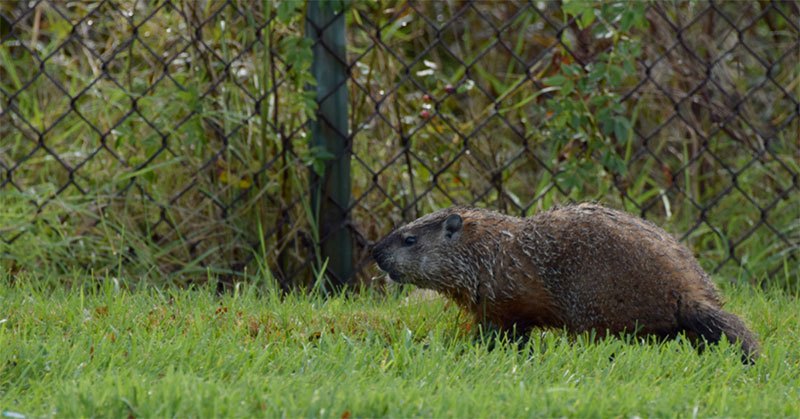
(325, 26)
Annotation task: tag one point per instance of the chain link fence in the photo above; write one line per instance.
(171, 139)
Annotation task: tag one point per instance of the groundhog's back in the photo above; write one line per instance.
(607, 269)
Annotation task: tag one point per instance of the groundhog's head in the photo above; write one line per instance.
(422, 252)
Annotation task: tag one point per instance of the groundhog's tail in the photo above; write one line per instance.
(710, 323)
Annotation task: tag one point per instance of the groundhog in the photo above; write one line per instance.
(581, 267)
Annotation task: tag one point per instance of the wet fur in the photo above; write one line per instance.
(583, 267)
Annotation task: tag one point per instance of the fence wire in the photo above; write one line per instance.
(172, 138)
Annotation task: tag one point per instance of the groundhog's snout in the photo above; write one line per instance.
(378, 250)
(381, 255)
(378, 253)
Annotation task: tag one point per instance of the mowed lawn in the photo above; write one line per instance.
(159, 353)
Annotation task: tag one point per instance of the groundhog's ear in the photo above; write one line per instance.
(453, 224)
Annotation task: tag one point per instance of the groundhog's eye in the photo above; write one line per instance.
(409, 241)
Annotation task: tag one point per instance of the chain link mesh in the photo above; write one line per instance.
(170, 138)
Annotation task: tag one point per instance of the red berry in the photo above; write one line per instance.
(450, 89)
(425, 114)
(426, 98)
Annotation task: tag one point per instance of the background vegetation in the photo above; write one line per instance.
(166, 141)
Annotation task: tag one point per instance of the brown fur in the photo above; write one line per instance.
(583, 267)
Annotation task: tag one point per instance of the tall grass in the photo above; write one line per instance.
(166, 134)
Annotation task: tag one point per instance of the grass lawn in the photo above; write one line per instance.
(105, 352)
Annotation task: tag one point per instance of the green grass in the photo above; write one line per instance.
(100, 351)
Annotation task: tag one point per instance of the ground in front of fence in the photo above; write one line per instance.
(99, 351)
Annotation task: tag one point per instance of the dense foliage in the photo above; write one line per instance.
(169, 141)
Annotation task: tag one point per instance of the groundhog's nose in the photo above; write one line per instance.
(377, 252)
(381, 255)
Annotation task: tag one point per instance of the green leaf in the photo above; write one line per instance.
(286, 10)
(598, 100)
(613, 162)
(587, 17)
(622, 128)
(606, 120)
(556, 80)
(627, 20)
(615, 75)
(567, 87)
(573, 70)
(575, 7)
